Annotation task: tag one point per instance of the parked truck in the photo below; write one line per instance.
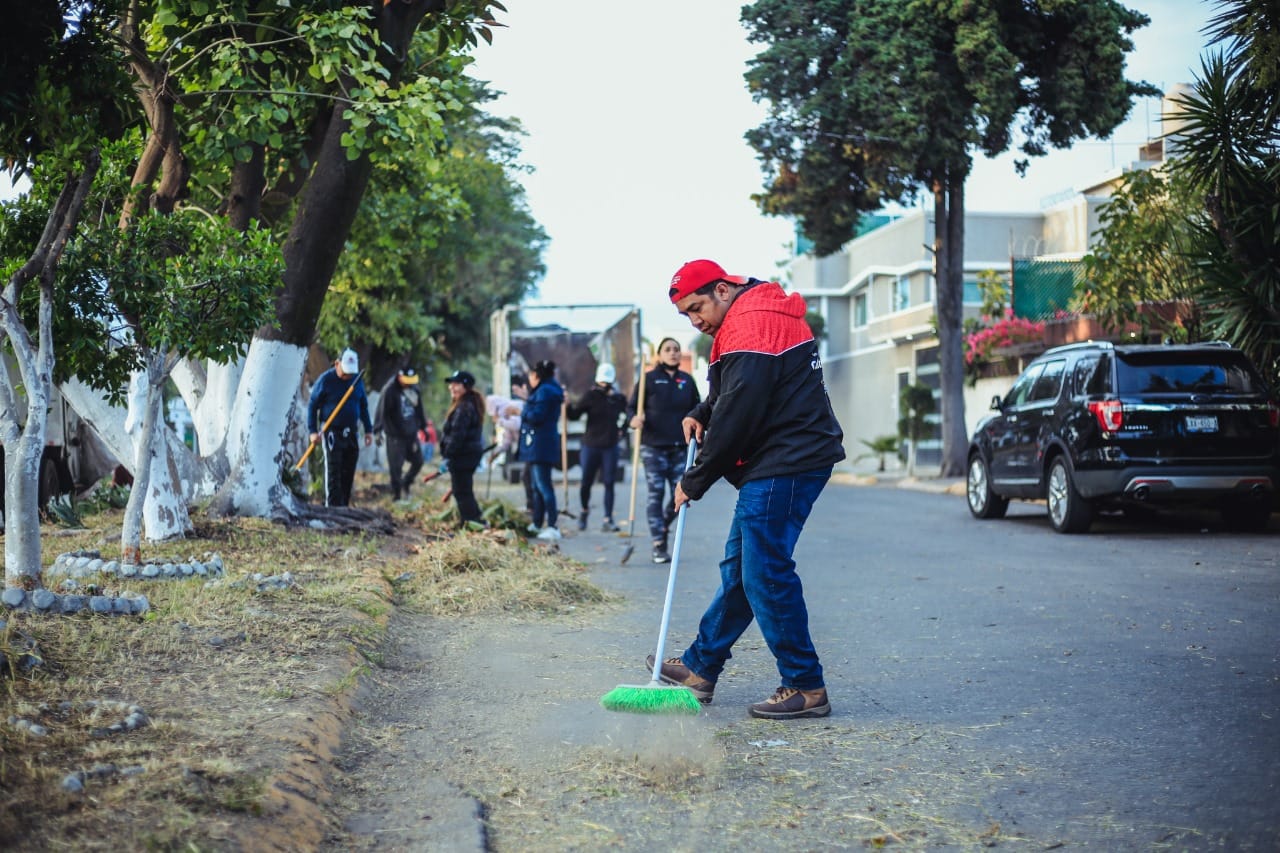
(578, 338)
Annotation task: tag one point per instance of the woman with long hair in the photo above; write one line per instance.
(540, 443)
(462, 441)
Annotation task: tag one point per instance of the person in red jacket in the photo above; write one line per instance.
(766, 427)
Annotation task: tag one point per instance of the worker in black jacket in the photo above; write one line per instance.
(767, 427)
(669, 395)
(606, 412)
(401, 420)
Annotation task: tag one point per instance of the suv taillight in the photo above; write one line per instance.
(1110, 414)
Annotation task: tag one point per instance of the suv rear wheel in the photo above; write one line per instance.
(1068, 511)
(983, 502)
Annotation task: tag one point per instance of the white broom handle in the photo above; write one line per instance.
(671, 576)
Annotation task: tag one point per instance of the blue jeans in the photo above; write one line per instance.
(602, 461)
(758, 580)
(663, 468)
(545, 494)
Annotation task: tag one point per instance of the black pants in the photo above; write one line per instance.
(400, 451)
(462, 478)
(340, 457)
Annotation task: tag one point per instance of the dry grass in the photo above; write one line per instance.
(225, 672)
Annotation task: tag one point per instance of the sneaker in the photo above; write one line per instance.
(787, 703)
(582, 520)
(549, 534)
(675, 672)
(609, 526)
(660, 555)
(533, 528)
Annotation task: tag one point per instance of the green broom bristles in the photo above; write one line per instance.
(651, 699)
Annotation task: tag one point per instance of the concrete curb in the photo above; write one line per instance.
(936, 485)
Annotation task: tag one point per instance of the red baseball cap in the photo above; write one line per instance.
(698, 274)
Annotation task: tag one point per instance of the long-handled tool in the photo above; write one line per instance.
(656, 697)
(630, 547)
(564, 456)
(324, 429)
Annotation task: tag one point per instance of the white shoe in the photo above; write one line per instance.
(549, 534)
(532, 528)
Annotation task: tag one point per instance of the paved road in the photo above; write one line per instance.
(1119, 689)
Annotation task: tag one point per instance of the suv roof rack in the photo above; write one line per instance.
(1081, 345)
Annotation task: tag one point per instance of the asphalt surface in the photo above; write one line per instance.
(1130, 676)
(993, 683)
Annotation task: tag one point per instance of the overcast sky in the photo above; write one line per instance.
(636, 115)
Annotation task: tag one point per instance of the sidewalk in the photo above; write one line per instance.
(925, 480)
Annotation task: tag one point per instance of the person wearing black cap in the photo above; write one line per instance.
(462, 441)
(341, 445)
(400, 418)
(766, 427)
(540, 444)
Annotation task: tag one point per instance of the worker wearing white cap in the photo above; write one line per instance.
(341, 439)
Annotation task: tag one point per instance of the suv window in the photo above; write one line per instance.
(1021, 389)
(1050, 381)
(1083, 373)
(1157, 372)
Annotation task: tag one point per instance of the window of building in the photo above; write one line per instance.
(902, 293)
(860, 310)
(972, 295)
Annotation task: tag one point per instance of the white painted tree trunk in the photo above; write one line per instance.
(22, 508)
(193, 477)
(155, 502)
(255, 447)
(209, 391)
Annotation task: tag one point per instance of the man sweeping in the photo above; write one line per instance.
(768, 429)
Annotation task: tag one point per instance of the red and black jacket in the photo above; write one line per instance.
(767, 413)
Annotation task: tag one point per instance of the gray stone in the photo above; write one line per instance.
(13, 597)
(129, 570)
(121, 606)
(38, 730)
(72, 603)
(111, 567)
(140, 604)
(100, 604)
(185, 569)
(198, 568)
(82, 563)
(150, 570)
(95, 565)
(135, 770)
(169, 570)
(43, 599)
(73, 783)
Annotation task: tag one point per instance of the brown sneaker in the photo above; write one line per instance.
(787, 703)
(675, 672)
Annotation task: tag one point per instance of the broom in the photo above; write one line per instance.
(656, 697)
(635, 470)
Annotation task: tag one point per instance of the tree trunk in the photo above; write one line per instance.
(24, 447)
(259, 421)
(197, 477)
(948, 243)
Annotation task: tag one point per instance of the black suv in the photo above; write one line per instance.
(1095, 425)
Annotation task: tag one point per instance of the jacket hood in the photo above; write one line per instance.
(769, 296)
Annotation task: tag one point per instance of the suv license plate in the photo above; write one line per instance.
(1202, 423)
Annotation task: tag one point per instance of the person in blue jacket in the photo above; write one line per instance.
(341, 445)
(540, 443)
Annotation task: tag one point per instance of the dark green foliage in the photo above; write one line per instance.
(1205, 232)
(872, 99)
